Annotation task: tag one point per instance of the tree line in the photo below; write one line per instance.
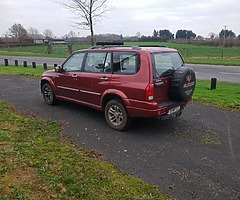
(18, 34)
(18, 31)
(166, 35)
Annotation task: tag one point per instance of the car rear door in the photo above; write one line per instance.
(95, 77)
(164, 65)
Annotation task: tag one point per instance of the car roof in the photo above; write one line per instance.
(150, 49)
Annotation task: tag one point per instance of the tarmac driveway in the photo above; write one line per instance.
(196, 156)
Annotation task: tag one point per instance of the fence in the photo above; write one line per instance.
(59, 48)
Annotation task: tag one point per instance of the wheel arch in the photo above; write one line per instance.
(50, 81)
(114, 94)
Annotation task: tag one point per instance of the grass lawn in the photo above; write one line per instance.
(226, 95)
(37, 163)
(20, 70)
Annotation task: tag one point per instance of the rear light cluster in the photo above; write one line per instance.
(150, 92)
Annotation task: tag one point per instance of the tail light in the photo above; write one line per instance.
(150, 92)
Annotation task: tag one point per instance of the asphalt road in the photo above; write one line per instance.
(203, 72)
(171, 154)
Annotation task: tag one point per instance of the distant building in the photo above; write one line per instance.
(57, 41)
(38, 38)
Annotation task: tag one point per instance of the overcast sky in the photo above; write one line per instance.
(127, 17)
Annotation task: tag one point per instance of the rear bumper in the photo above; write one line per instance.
(154, 110)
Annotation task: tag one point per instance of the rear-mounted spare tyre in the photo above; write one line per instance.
(182, 84)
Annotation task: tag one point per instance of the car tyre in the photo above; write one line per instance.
(116, 115)
(48, 94)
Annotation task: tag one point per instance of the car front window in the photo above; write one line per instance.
(165, 63)
(74, 63)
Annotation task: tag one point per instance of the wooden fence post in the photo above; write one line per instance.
(16, 63)
(34, 64)
(70, 49)
(213, 83)
(49, 48)
(6, 62)
(24, 63)
(44, 65)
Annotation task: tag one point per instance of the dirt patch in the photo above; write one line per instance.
(26, 178)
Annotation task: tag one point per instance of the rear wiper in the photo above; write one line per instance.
(168, 72)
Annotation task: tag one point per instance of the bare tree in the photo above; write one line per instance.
(18, 31)
(48, 34)
(90, 11)
(71, 34)
(138, 34)
(212, 35)
(33, 31)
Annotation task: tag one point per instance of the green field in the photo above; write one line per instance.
(190, 53)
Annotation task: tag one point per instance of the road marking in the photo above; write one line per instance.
(229, 73)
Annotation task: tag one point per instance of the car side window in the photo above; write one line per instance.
(74, 63)
(98, 62)
(125, 62)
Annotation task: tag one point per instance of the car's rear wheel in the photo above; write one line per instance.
(48, 94)
(116, 115)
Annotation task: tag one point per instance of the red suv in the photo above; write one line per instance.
(123, 81)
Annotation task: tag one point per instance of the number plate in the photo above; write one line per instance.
(173, 110)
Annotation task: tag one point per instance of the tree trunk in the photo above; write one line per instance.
(91, 23)
(92, 35)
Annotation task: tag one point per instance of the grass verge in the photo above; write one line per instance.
(226, 96)
(20, 70)
(230, 61)
(35, 163)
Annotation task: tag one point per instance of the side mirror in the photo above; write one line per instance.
(58, 69)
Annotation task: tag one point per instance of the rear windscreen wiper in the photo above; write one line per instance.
(168, 72)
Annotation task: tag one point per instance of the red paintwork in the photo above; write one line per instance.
(88, 88)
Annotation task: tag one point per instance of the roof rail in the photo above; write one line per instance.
(109, 43)
(152, 46)
(136, 48)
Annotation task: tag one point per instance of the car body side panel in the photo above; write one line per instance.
(67, 85)
(92, 86)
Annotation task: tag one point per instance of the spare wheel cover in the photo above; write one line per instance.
(182, 84)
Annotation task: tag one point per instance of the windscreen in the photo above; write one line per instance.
(165, 63)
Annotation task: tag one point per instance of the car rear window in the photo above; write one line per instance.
(98, 62)
(165, 63)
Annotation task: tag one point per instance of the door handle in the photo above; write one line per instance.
(104, 79)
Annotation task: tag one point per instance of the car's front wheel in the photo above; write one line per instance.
(116, 115)
(48, 94)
